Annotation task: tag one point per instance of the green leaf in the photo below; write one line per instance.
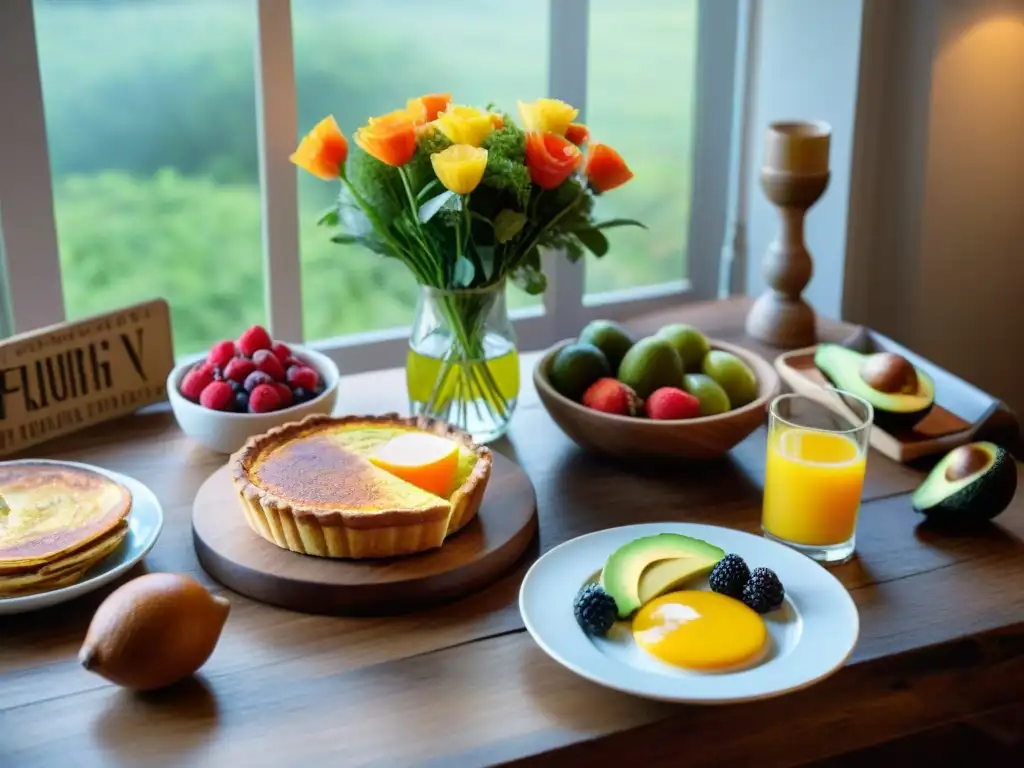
(344, 238)
(573, 249)
(508, 224)
(595, 242)
(463, 273)
(429, 187)
(618, 223)
(530, 279)
(486, 255)
(434, 204)
(328, 218)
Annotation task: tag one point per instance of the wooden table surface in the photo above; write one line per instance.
(942, 630)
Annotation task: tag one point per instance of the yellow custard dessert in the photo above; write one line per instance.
(701, 631)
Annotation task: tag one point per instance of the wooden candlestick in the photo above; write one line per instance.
(794, 176)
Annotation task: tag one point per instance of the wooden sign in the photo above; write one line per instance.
(68, 376)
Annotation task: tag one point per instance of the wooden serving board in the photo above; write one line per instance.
(473, 558)
(962, 413)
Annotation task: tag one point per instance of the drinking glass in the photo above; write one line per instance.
(815, 473)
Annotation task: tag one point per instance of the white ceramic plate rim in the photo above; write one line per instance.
(830, 622)
(145, 522)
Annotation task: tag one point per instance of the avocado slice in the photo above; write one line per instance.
(901, 393)
(970, 484)
(665, 575)
(621, 575)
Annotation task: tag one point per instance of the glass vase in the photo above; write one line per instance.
(462, 366)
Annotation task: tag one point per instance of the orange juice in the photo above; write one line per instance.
(812, 486)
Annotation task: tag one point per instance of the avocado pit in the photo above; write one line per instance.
(966, 461)
(890, 373)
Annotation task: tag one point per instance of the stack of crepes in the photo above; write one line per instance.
(56, 522)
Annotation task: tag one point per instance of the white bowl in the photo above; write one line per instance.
(225, 432)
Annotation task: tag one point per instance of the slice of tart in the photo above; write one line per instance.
(54, 511)
(312, 487)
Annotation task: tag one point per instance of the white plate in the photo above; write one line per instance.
(145, 521)
(811, 635)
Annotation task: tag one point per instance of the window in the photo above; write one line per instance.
(641, 82)
(165, 122)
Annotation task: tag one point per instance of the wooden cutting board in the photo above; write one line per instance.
(470, 560)
(962, 413)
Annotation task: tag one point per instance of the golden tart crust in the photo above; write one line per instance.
(339, 504)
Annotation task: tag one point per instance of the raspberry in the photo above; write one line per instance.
(672, 403)
(292, 361)
(267, 362)
(221, 353)
(195, 381)
(255, 379)
(281, 352)
(287, 399)
(238, 369)
(253, 340)
(303, 376)
(217, 396)
(264, 399)
(611, 396)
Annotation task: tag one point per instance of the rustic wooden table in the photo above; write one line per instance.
(942, 631)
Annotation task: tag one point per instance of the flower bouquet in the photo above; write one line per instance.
(467, 200)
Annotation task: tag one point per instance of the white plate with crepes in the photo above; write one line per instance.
(145, 521)
(808, 638)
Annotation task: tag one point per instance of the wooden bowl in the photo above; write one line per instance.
(706, 437)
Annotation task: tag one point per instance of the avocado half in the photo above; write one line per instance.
(644, 567)
(893, 410)
(970, 484)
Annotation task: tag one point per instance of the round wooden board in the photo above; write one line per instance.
(473, 558)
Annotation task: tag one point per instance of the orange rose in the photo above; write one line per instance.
(550, 159)
(390, 138)
(426, 108)
(322, 151)
(605, 168)
(577, 133)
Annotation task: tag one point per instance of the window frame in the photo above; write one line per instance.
(28, 237)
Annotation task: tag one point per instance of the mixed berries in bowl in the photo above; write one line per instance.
(246, 386)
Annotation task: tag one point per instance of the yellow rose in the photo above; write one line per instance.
(465, 125)
(460, 167)
(547, 116)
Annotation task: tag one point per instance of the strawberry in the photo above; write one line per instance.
(612, 396)
(196, 380)
(264, 399)
(253, 340)
(281, 352)
(672, 403)
(221, 353)
(287, 399)
(218, 396)
(238, 369)
(303, 376)
(255, 379)
(267, 362)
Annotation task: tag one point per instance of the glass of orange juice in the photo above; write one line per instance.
(815, 473)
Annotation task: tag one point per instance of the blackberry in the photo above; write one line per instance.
(242, 401)
(729, 576)
(594, 610)
(763, 592)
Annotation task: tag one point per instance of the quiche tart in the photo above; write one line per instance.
(310, 487)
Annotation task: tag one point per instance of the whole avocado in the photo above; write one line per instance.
(650, 364)
(611, 338)
(575, 367)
